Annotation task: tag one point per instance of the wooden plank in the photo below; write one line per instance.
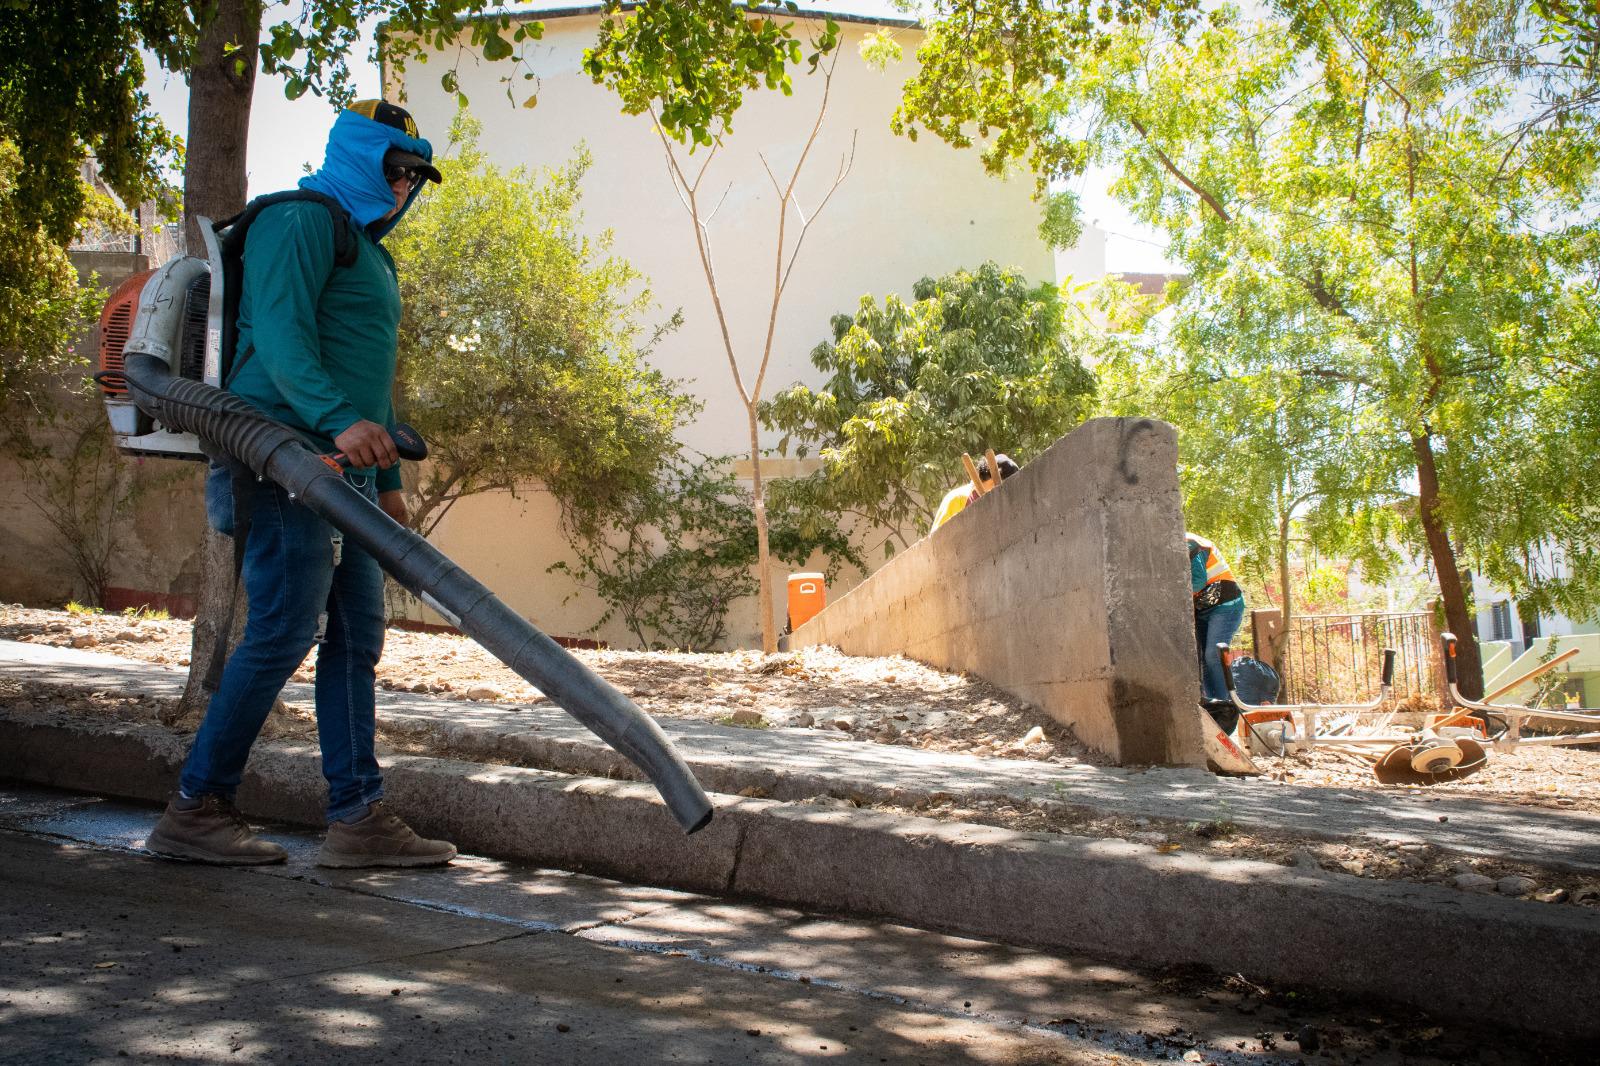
(972, 472)
(1530, 675)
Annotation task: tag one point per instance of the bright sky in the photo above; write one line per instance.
(285, 135)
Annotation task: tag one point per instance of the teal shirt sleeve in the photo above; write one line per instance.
(1197, 572)
(286, 266)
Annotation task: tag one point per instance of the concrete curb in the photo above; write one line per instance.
(801, 764)
(1488, 958)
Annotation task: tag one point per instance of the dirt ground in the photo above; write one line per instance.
(885, 701)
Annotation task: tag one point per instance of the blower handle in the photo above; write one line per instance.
(1388, 667)
(407, 441)
(1449, 640)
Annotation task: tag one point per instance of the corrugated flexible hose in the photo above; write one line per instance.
(275, 452)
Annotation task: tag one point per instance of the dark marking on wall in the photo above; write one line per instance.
(1130, 430)
(1143, 719)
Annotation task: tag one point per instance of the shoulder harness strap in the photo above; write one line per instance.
(233, 231)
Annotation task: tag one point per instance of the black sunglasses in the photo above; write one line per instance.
(393, 172)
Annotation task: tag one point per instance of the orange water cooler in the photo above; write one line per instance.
(808, 594)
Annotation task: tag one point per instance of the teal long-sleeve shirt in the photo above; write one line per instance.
(323, 336)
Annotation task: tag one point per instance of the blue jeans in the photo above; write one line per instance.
(1213, 626)
(298, 595)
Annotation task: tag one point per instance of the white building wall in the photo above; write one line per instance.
(1086, 260)
(906, 210)
(1552, 624)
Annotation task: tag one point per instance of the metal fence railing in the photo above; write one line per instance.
(1338, 658)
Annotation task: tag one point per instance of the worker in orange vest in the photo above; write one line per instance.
(1218, 611)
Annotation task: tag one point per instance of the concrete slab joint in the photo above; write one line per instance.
(1067, 586)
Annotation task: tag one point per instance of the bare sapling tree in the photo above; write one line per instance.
(690, 192)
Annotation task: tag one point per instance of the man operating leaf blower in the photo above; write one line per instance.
(317, 331)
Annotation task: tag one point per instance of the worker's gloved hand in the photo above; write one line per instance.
(367, 444)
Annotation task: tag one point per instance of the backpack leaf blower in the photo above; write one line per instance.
(160, 369)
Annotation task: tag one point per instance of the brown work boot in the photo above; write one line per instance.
(381, 839)
(210, 829)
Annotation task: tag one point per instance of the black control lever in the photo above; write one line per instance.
(407, 441)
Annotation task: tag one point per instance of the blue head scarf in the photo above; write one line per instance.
(352, 170)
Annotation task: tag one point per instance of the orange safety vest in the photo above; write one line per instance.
(1220, 586)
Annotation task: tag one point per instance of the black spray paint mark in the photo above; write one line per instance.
(1130, 430)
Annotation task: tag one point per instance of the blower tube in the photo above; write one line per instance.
(275, 452)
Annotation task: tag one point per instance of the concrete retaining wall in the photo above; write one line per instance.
(1067, 586)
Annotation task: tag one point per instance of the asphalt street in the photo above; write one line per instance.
(110, 955)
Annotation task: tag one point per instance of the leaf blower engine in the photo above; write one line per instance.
(165, 350)
(182, 326)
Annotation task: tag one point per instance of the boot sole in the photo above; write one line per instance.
(168, 848)
(334, 860)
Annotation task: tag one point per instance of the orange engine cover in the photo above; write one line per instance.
(116, 324)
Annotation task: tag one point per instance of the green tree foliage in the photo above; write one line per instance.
(311, 46)
(71, 71)
(1551, 46)
(691, 61)
(520, 345)
(672, 559)
(1272, 462)
(985, 67)
(1574, 26)
(1408, 204)
(54, 429)
(71, 82)
(976, 359)
(43, 309)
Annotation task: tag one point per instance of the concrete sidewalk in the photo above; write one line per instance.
(800, 764)
(1512, 962)
(111, 957)
(581, 965)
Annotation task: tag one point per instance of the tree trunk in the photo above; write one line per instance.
(1457, 614)
(769, 636)
(221, 84)
(1286, 606)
